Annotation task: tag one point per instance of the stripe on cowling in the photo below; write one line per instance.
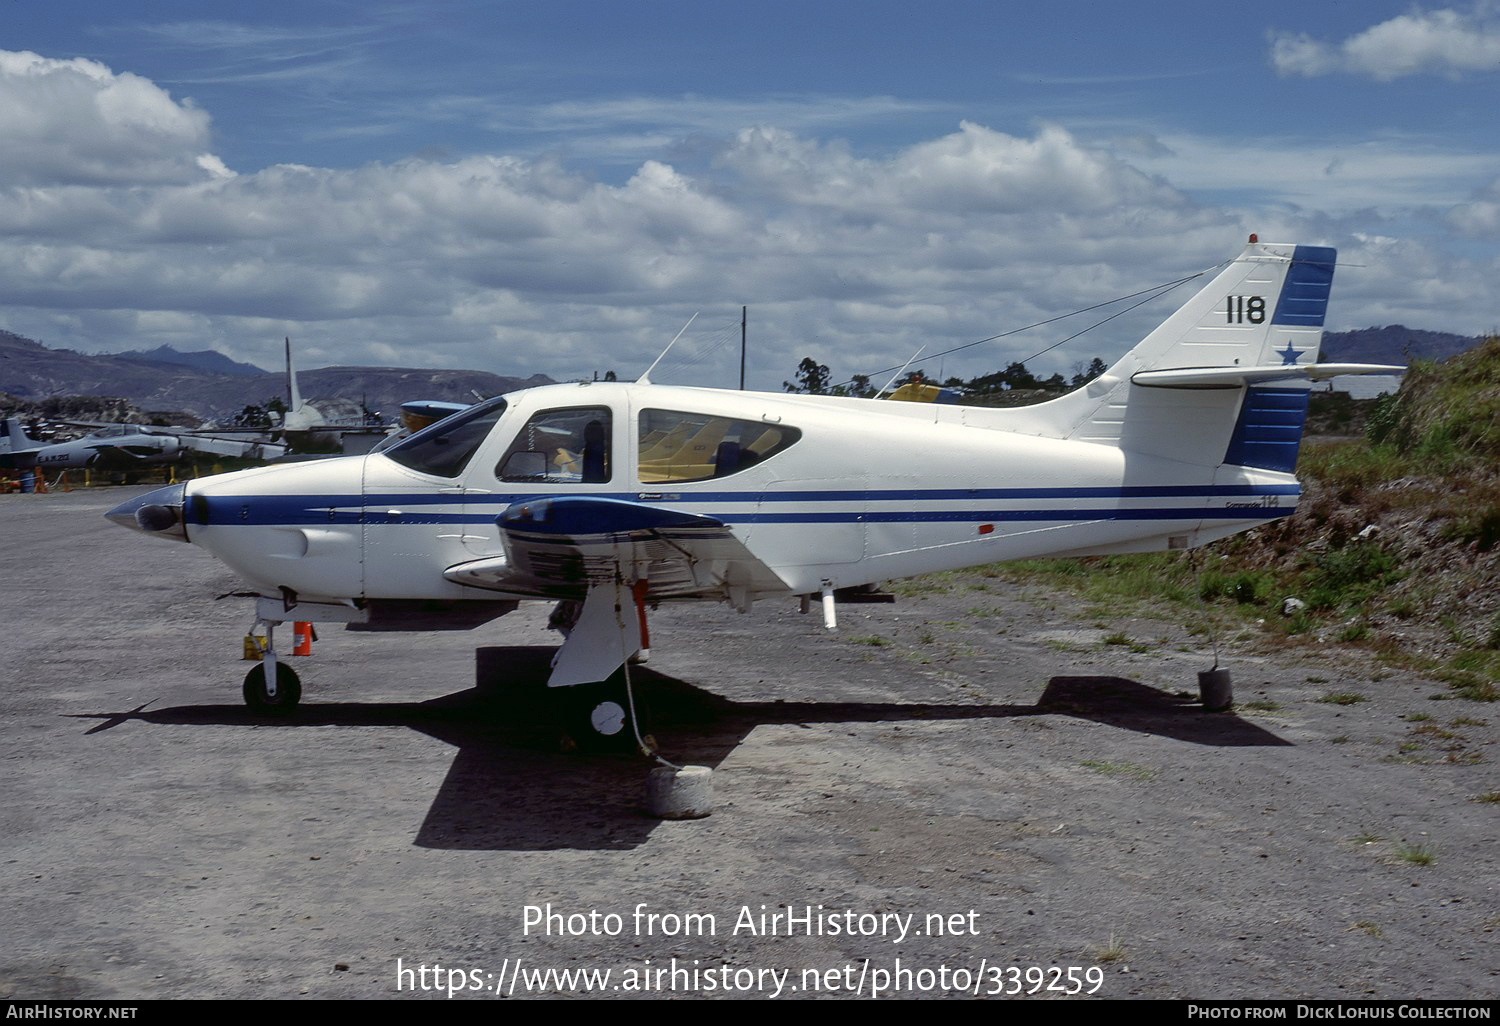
(1269, 430)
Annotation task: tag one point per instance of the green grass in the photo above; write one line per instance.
(1120, 769)
(1354, 632)
(1347, 577)
(928, 584)
(1342, 698)
(1416, 854)
(1475, 687)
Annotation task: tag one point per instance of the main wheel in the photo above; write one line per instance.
(288, 689)
(597, 716)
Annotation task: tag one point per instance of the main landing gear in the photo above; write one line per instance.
(603, 716)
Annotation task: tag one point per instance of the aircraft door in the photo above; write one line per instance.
(416, 517)
(564, 451)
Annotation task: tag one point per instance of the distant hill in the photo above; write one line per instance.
(204, 360)
(1395, 344)
(32, 371)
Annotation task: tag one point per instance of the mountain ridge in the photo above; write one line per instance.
(31, 371)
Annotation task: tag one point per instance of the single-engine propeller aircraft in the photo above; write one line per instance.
(615, 496)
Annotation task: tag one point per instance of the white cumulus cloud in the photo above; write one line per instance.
(1444, 41)
(132, 234)
(76, 121)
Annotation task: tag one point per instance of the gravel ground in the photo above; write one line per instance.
(1002, 774)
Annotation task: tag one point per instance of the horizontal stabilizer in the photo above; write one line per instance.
(1237, 377)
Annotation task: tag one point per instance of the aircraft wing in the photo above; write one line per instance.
(243, 448)
(126, 453)
(562, 547)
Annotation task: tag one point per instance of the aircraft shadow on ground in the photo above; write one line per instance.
(512, 788)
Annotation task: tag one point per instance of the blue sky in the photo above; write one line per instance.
(558, 186)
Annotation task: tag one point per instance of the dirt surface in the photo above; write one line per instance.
(1034, 776)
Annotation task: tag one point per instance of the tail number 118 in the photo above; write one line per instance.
(1242, 309)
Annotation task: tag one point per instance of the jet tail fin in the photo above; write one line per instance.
(13, 436)
(293, 394)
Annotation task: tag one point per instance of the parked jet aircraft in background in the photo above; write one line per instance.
(120, 447)
(614, 496)
(304, 426)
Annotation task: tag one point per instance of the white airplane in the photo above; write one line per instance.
(616, 496)
(306, 427)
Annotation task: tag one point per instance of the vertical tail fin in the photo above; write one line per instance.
(1255, 328)
(13, 436)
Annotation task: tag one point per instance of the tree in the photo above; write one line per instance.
(252, 417)
(812, 378)
(1017, 376)
(1084, 375)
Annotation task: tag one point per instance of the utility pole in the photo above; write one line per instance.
(744, 316)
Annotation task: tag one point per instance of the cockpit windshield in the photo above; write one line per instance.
(445, 448)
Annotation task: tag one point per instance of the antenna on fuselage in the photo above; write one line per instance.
(645, 379)
(910, 360)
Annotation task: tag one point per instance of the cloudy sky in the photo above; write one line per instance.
(559, 186)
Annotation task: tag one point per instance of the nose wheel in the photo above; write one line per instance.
(279, 700)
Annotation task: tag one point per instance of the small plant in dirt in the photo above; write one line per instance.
(1112, 951)
(1120, 769)
(1416, 854)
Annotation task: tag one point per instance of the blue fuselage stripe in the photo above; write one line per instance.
(482, 508)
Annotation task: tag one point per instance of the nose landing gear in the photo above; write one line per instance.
(271, 686)
(279, 700)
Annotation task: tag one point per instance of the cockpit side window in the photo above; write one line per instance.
(445, 448)
(569, 446)
(677, 446)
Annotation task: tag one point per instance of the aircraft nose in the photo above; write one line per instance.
(157, 513)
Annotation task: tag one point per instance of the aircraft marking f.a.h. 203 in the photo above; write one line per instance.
(615, 496)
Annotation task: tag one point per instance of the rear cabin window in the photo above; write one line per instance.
(445, 448)
(561, 447)
(678, 446)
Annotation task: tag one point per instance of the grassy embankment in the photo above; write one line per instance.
(1394, 546)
